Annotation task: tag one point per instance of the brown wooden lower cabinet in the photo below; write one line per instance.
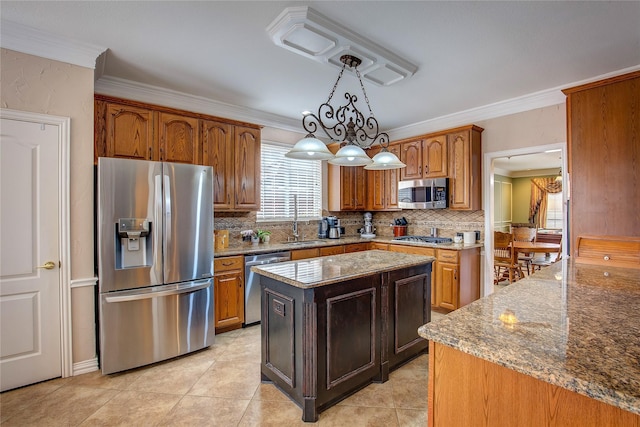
(228, 282)
(468, 391)
(321, 344)
(455, 281)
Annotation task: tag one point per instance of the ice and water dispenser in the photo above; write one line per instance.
(133, 243)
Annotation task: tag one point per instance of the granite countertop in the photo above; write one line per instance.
(578, 327)
(246, 248)
(321, 271)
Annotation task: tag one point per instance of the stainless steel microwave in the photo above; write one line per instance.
(424, 194)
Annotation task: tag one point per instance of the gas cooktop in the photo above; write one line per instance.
(424, 239)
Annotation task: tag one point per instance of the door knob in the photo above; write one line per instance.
(49, 265)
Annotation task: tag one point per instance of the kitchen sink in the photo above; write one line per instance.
(304, 242)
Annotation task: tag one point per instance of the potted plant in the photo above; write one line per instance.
(263, 235)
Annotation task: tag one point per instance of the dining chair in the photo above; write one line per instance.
(525, 234)
(504, 257)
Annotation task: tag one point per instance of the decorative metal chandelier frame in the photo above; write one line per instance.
(348, 125)
(361, 131)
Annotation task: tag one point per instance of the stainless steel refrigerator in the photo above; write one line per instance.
(155, 261)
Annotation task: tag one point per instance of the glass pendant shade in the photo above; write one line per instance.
(350, 155)
(385, 160)
(310, 148)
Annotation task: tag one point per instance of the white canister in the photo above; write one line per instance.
(469, 237)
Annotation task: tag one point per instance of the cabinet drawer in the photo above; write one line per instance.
(448, 256)
(355, 247)
(406, 249)
(304, 253)
(378, 245)
(609, 250)
(228, 263)
(332, 250)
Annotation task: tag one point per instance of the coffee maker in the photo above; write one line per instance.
(326, 224)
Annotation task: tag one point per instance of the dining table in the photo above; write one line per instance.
(536, 247)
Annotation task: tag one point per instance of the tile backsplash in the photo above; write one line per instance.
(420, 222)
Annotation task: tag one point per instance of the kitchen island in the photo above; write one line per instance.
(561, 348)
(332, 325)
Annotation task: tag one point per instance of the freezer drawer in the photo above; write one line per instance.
(153, 324)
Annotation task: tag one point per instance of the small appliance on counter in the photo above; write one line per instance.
(368, 231)
(326, 224)
(323, 228)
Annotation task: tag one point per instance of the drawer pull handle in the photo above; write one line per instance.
(226, 264)
(607, 258)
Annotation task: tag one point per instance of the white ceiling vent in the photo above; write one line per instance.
(306, 32)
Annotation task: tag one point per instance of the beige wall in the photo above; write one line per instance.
(34, 84)
(541, 126)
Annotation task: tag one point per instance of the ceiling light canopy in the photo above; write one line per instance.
(348, 125)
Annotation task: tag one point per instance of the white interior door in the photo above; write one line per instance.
(30, 346)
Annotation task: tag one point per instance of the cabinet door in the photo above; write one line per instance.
(229, 299)
(411, 155)
(247, 168)
(391, 182)
(179, 139)
(464, 170)
(375, 187)
(447, 285)
(460, 183)
(359, 188)
(129, 133)
(434, 157)
(217, 151)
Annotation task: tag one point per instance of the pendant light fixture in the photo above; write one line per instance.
(345, 124)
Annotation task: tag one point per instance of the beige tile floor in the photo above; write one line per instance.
(218, 386)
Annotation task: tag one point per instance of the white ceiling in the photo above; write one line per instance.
(469, 54)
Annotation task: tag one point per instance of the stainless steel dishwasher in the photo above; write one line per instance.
(252, 283)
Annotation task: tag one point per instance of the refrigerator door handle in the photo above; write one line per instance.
(181, 289)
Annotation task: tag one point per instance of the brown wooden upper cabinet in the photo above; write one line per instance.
(134, 130)
(127, 132)
(465, 188)
(347, 186)
(179, 139)
(234, 153)
(424, 157)
(247, 168)
(382, 185)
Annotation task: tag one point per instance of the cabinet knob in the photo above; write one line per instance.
(607, 258)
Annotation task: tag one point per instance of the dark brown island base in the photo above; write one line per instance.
(332, 325)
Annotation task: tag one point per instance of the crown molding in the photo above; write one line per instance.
(499, 109)
(32, 41)
(121, 88)
(532, 101)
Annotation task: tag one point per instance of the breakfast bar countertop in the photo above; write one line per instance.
(575, 326)
(314, 272)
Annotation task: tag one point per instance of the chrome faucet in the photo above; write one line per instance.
(295, 218)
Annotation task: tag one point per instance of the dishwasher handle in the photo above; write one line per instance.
(266, 261)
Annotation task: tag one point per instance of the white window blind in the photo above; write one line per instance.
(554, 210)
(281, 179)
